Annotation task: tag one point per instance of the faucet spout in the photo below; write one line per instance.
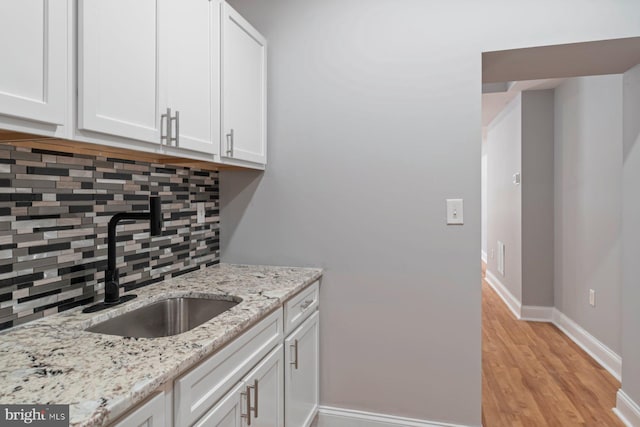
(111, 276)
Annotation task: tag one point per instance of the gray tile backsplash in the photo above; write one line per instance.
(54, 210)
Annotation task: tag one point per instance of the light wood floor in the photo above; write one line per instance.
(533, 375)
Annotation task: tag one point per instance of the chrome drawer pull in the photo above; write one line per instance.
(295, 354)
(248, 394)
(306, 304)
(255, 398)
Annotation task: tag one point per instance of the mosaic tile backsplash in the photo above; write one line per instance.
(54, 210)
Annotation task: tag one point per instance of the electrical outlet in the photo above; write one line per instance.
(501, 255)
(492, 253)
(592, 297)
(200, 213)
(516, 178)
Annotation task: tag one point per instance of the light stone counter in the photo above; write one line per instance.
(54, 361)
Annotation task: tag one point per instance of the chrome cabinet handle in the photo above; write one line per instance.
(255, 399)
(165, 137)
(295, 354)
(306, 304)
(248, 394)
(230, 143)
(176, 138)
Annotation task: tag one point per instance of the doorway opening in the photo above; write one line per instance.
(552, 158)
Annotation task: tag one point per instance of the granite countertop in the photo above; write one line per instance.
(54, 361)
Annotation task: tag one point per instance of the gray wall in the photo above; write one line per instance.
(374, 119)
(504, 198)
(483, 201)
(537, 198)
(631, 236)
(520, 140)
(588, 200)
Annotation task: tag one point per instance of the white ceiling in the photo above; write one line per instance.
(493, 103)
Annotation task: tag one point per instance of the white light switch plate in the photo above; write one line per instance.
(455, 212)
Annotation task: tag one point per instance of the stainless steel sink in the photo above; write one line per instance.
(164, 318)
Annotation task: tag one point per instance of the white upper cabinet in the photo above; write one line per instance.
(33, 48)
(118, 72)
(244, 90)
(185, 78)
(150, 71)
(190, 65)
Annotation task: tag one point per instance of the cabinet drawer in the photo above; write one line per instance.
(300, 307)
(199, 389)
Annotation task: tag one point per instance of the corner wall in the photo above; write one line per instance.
(483, 202)
(504, 198)
(631, 249)
(520, 140)
(537, 198)
(588, 200)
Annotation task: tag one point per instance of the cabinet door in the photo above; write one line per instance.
(302, 373)
(118, 76)
(150, 414)
(200, 388)
(190, 57)
(33, 48)
(265, 389)
(227, 412)
(244, 89)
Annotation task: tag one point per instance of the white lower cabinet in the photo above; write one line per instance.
(227, 412)
(199, 389)
(149, 414)
(260, 379)
(264, 388)
(256, 401)
(302, 373)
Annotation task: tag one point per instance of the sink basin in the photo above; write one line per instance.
(164, 318)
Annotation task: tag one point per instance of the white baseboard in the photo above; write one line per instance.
(602, 354)
(509, 299)
(483, 256)
(627, 410)
(340, 417)
(533, 313)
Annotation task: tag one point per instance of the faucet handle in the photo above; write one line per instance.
(111, 286)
